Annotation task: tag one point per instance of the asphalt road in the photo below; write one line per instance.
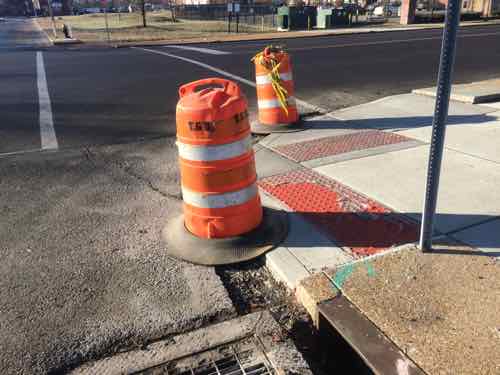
(107, 96)
(84, 267)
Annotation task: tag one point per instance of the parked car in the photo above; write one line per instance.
(387, 10)
(91, 10)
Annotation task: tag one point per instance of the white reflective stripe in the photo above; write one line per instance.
(212, 153)
(265, 79)
(219, 200)
(274, 103)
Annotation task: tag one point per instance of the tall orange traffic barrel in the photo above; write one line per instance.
(221, 204)
(275, 92)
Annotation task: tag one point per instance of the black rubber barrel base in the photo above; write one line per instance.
(182, 244)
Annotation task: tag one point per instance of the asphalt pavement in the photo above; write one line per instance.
(89, 176)
(107, 96)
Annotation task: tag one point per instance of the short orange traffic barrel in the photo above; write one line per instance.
(275, 92)
(223, 219)
(216, 160)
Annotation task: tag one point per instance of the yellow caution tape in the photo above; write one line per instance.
(272, 64)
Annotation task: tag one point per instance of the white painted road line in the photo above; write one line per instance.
(47, 132)
(382, 42)
(302, 103)
(199, 49)
(13, 153)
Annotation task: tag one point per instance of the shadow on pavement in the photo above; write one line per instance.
(368, 233)
(396, 122)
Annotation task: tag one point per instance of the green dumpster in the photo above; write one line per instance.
(324, 18)
(340, 17)
(296, 17)
(283, 18)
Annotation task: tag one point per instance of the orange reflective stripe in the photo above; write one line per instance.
(220, 177)
(211, 222)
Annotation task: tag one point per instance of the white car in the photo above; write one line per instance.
(387, 10)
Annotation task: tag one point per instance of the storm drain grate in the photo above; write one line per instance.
(237, 359)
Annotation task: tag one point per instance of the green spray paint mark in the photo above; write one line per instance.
(370, 270)
(343, 273)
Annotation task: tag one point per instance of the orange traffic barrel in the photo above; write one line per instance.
(221, 203)
(216, 160)
(275, 92)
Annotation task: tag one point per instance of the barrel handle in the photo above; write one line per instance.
(229, 87)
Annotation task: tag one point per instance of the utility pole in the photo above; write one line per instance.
(51, 14)
(439, 122)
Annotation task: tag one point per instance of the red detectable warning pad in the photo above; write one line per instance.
(349, 218)
(340, 144)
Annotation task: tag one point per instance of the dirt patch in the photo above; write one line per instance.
(124, 28)
(252, 288)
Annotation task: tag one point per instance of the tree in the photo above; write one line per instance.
(143, 10)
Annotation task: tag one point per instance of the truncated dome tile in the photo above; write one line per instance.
(329, 146)
(349, 218)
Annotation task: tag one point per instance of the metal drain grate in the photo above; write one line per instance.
(227, 360)
(231, 365)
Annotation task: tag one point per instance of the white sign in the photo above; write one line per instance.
(236, 7)
(230, 7)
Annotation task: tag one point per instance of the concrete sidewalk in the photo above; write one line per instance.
(354, 184)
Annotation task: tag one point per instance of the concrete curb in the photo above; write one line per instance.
(312, 291)
(256, 327)
(56, 41)
(298, 34)
(37, 25)
(468, 93)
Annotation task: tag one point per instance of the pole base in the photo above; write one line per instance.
(182, 244)
(259, 128)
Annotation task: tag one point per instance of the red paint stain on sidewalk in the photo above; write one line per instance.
(329, 146)
(349, 218)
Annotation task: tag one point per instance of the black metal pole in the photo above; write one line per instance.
(439, 122)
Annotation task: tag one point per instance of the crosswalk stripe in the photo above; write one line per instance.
(208, 51)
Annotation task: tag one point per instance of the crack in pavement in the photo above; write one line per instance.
(122, 165)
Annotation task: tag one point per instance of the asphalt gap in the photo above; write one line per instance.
(302, 103)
